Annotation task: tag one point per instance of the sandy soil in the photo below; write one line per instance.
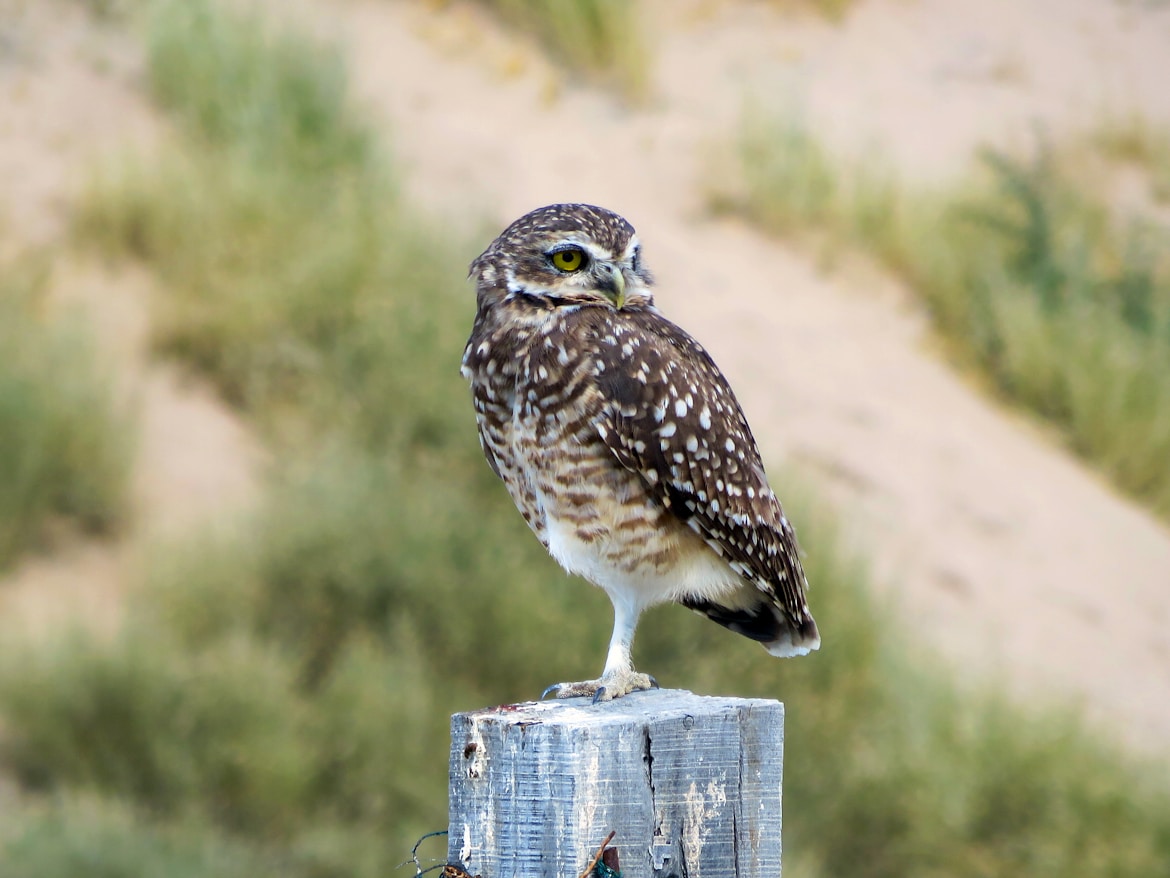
(1002, 550)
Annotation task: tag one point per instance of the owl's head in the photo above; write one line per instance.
(565, 254)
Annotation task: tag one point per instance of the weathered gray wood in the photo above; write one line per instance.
(690, 784)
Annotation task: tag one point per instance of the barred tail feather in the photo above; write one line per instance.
(795, 638)
(766, 623)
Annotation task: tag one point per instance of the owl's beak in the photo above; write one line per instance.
(612, 282)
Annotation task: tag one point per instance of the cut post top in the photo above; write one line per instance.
(690, 785)
(657, 704)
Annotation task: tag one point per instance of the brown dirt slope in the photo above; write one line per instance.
(1001, 549)
(71, 94)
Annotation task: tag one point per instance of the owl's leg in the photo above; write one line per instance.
(619, 677)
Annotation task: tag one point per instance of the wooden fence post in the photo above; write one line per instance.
(691, 785)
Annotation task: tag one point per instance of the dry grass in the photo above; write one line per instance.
(831, 10)
(1132, 138)
(602, 40)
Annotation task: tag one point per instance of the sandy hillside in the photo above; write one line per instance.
(1003, 551)
(71, 96)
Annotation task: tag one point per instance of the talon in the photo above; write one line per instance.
(653, 682)
(555, 687)
(599, 695)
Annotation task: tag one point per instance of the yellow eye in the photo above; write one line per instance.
(569, 259)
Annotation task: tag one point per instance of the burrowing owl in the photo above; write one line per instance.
(621, 442)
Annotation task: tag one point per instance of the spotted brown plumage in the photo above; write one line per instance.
(620, 441)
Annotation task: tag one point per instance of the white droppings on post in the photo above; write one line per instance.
(693, 822)
(465, 850)
(587, 813)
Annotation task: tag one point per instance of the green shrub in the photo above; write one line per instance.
(101, 838)
(1065, 305)
(286, 290)
(262, 90)
(171, 729)
(293, 269)
(602, 39)
(65, 448)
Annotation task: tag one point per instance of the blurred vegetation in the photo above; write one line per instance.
(110, 10)
(65, 448)
(606, 40)
(277, 701)
(102, 838)
(831, 10)
(603, 40)
(1132, 139)
(1024, 266)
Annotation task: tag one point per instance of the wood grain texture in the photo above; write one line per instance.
(691, 784)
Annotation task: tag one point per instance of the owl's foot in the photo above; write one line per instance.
(605, 689)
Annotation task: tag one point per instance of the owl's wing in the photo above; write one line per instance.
(490, 414)
(672, 418)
